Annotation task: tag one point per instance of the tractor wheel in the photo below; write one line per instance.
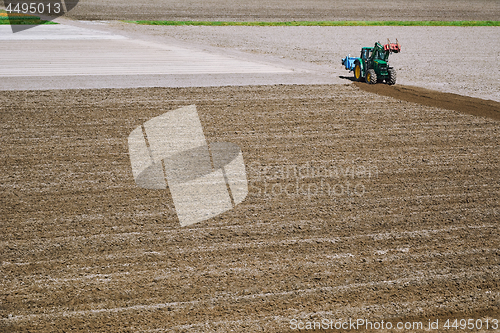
(371, 76)
(392, 76)
(357, 72)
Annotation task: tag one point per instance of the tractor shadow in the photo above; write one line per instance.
(350, 78)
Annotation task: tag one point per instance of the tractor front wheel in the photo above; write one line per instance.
(392, 76)
(357, 72)
(371, 76)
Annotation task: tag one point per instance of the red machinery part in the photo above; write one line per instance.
(392, 47)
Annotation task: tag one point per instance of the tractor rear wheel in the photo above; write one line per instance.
(391, 79)
(357, 72)
(371, 76)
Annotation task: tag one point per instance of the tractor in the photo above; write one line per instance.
(373, 63)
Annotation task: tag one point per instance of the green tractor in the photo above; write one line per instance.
(373, 64)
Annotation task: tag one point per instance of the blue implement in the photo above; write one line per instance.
(348, 62)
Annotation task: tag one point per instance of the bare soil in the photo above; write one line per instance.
(286, 10)
(412, 233)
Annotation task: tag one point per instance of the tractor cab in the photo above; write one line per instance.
(366, 52)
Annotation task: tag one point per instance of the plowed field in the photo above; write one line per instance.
(360, 206)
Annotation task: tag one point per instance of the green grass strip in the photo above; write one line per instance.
(20, 19)
(22, 22)
(327, 23)
(12, 18)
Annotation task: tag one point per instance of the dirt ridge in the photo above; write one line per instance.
(465, 104)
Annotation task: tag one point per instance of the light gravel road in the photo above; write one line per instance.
(76, 55)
